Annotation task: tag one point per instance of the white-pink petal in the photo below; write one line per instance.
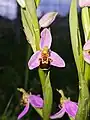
(47, 19)
(87, 45)
(36, 101)
(84, 3)
(24, 111)
(56, 60)
(71, 108)
(34, 60)
(58, 114)
(46, 38)
(86, 57)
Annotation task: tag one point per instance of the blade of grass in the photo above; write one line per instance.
(8, 104)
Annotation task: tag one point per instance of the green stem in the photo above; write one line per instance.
(42, 78)
(83, 103)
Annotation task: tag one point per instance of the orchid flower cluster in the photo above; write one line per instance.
(37, 102)
(44, 58)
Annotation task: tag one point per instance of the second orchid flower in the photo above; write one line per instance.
(67, 106)
(27, 99)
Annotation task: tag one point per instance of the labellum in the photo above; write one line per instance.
(45, 60)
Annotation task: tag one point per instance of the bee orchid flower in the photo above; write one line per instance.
(86, 51)
(35, 100)
(66, 106)
(45, 57)
(84, 3)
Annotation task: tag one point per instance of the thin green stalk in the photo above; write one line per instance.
(42, 77)
(26, 69)
(8, 104)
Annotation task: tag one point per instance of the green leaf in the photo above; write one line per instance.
(30, 24)
(39, 111)
(21, 3)
(86, 22)
(28, 28)
(31, 10)
(86, 27)
(75, 37)
(37, 2)
(47, 93)
(47, 98)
